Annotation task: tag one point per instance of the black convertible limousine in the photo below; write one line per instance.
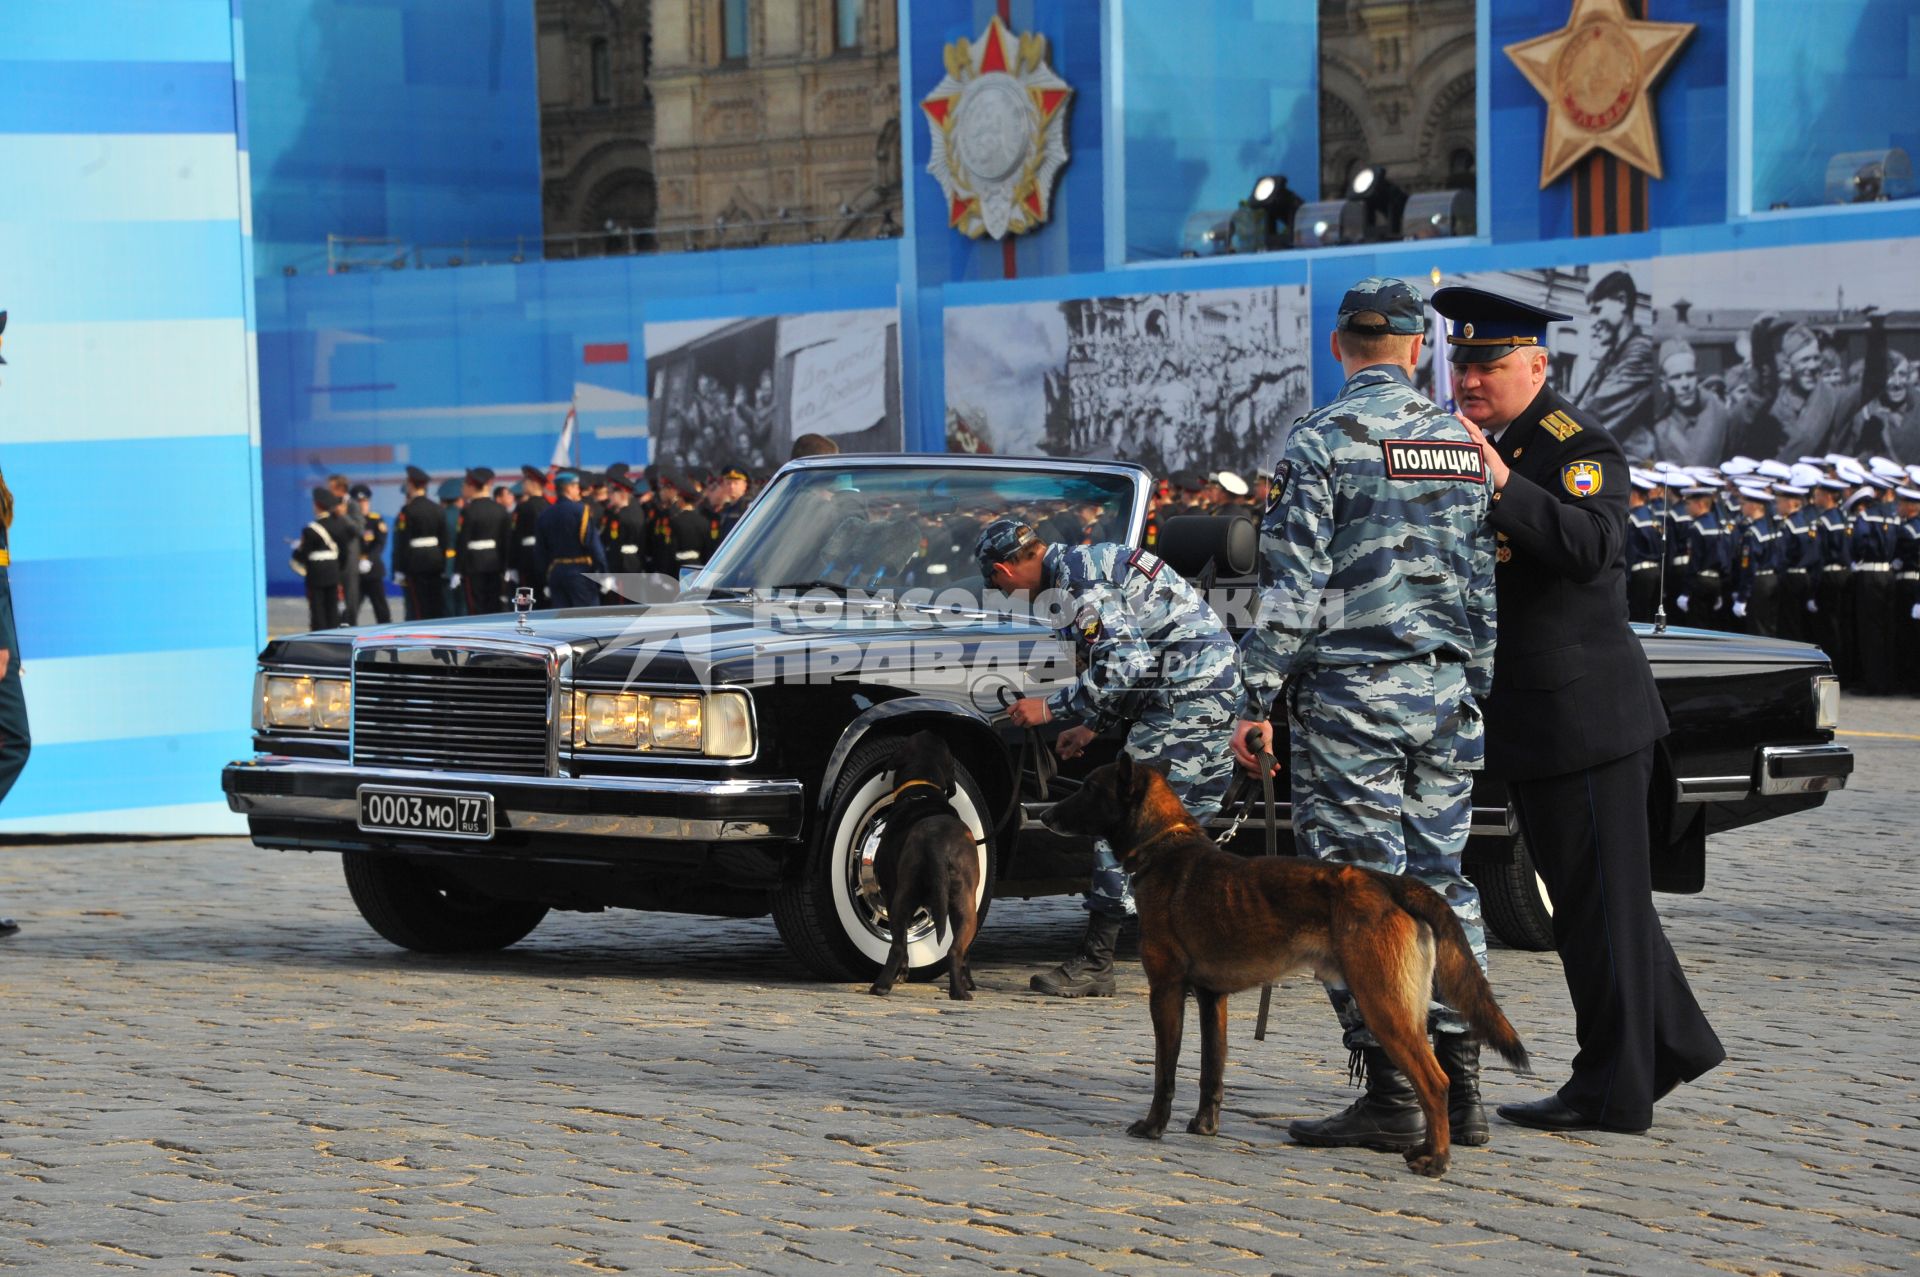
(727, 752)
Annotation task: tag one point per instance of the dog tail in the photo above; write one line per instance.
(1458, 978)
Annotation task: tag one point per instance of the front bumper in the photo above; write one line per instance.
(324, 795)
(1778, 771)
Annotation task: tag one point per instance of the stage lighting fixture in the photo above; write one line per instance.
(1327, 222)
(1208, 233)
(1866, 177)
(1433, 214)
(1384, 199)
(1274, 204)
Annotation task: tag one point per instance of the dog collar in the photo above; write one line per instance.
(909, 785)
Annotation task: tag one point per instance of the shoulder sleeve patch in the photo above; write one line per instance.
(1560, 425)
(1581, 478)
(1432, 459)
(1145, 562)
(1277, 487)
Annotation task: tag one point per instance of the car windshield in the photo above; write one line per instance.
(895, 528)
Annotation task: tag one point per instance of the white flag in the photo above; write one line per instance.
(563, 450)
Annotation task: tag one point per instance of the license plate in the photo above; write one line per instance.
(425, 811)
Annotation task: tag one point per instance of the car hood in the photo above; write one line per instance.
(674, 642)
(1681, 646)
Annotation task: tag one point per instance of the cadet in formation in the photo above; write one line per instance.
(372, 568)
(15, 740)
(569, 547)
(1153, 658)
(525, 568)
(1756, 565)
(482, 547)
(419, 550)
(317, 559)
(1376, 602)
(1574, 717)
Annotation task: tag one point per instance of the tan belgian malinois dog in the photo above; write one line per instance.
(1213, 924)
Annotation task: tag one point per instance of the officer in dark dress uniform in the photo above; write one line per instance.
(569, 547)
(726, 498)
(372, 567)
(320, 558)
(1870, 589)
(15, 740)
(1906, 592)
(1574, 718)
(682, 536)
(480, 552)
(1645, 516)
(526, 518)
(626, 536)
(419, 550)
(1799, 560)
(1830, 626)
(1756, 565)
(1703, 586)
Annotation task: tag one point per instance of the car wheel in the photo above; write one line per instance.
(420, 908)
(830, 912)
(1514, 900)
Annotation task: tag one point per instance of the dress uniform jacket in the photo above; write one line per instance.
(420, 557)
(482, 553)
(628, 531)
(1571, 684)
(569, 549)
(525, 559)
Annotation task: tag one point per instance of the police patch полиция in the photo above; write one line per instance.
(1432, 459)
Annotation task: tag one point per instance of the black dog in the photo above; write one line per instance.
(927, 860)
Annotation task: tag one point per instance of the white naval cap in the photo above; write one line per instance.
(1739, 465)
(1232, 483)
(1773, 469)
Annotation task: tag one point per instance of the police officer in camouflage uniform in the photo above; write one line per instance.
(1377, 602)
(1154, 659)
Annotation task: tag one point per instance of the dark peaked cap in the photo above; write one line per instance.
(1484, 326)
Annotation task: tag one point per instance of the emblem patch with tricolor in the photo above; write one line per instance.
(1582, 478)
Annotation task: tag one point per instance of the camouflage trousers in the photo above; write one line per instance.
(1383, 758)
(1188, 743)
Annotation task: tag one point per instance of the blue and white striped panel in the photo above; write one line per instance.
(128, 410)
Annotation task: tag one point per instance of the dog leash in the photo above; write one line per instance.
(1032, 753)
(1263, 764)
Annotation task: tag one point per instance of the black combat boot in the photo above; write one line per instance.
(1387, 1117)
(1459, 1056)
(1089, 973)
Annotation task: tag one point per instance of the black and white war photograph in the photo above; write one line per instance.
(1203, 381)
(1777, 353)
(738, 392)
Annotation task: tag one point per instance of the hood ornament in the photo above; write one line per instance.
(522, 604)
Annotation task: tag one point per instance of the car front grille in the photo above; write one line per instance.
(442, 709)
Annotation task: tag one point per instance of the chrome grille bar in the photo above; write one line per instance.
(447, 709)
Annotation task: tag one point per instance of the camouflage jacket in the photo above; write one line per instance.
(1142, 637)
(1375, 545)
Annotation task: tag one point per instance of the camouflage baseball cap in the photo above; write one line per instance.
(1000, 541)
(1376, 306)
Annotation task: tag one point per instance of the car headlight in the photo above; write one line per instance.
(302, 702)
(718, 725)
(1826, 702)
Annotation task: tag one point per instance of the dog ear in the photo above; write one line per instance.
(1123, 771)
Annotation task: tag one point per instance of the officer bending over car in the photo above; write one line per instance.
(1151, 655)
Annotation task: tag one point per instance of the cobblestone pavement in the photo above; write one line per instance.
(212, 1065)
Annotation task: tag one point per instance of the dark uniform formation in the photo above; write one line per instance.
(1821, 550)
(466, 552)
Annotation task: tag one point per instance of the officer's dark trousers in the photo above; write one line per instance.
(426, 597)
(15, 740)
(1795, 589)
(571, 587)
(1906, 632)
(1643, 594)
(483, 592)
(1872, 594)
(1639, 1029)
(323, 606)
(1763, 604)
(373, 589)
(1831, 628)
